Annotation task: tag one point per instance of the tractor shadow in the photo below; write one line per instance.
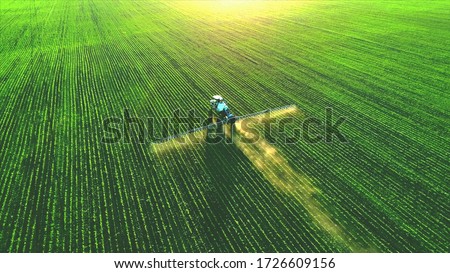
(218, 193)
(221, 193)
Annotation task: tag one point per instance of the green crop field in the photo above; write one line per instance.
(66, 66)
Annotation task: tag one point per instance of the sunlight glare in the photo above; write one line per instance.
(234, 9)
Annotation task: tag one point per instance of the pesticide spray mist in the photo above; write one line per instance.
(281, 175)
(277, 170)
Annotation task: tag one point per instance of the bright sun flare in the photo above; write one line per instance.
(232, 9)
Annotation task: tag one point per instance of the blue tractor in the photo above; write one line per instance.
(220, 110)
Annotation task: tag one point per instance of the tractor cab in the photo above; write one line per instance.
(220, 114)
(220, 109)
